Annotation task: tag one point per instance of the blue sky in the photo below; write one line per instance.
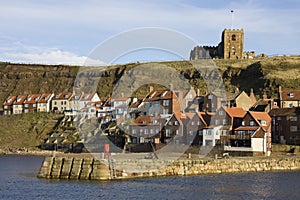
(54, 32)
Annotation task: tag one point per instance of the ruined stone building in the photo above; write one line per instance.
(230, 47)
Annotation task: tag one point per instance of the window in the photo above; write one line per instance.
(177, 132)
(291, 95)
(251, 123)
(5, 107)
(217, 122)
(191, 132)
(142, 140)
(170, 123)
(141, 130)
(225, 122)
(55, 103)
(212, 105)
(233, 37)
(208, 132)
(165, 111)
(243, 123)
(168, 133)
(290, 105)
(278, 118)
(221, 112)
(207, 105)
(199, 123)
(176, 123)
(152, 131)
(200, 132)
(193, 123)
(263, 122)
(293, 128)
(34, 105)
(210, 96)
(144, 122)
(26, 105)
(293, 119)
(165, 102)
(146, 131)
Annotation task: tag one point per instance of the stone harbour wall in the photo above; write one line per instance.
(93, 169)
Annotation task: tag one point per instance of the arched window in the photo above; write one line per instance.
(233, 37)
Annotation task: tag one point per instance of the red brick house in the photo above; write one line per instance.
(194, 128)
(289, 98)
(254, 133)
(145, 129)
(160, 102)
(286, 125)
(8, 105)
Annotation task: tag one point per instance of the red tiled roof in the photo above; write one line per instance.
(32, 98)
(44, 98)
(62, 96)
(258, 116)
(20, 100)
(246, 128)
(87, 97)
(9, 101)
(159, 95)
(291, 95)
(120, 99)
(235, 112)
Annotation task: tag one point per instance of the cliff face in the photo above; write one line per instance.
(261, 75)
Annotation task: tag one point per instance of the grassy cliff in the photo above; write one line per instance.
(263, 75)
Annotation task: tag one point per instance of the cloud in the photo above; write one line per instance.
(50, 56)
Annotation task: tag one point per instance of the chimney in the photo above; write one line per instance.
(198, 92)
(171, 87)
(151, 88)
(265, 97)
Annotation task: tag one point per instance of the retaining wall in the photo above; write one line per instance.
(92, 169)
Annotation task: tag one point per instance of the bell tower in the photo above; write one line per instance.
(233, 41)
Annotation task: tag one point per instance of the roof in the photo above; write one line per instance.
(159, 95)
(62, 96)
(146, 120)
(9, 101)
(291, 95)
(285, 111)
(246, 128)
(44, 98)
(32, 98)
(20, 100)
(235, 112)
(259, 116)
(259, 133)
(87, 97)
(120, 99)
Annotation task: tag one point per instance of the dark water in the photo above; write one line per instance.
(18, 181)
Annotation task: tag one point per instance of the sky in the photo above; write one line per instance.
(67, 32)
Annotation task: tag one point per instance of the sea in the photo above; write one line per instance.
(18, 181)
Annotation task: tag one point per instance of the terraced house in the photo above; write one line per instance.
(30, 104)
(8, 105)
(61, 102)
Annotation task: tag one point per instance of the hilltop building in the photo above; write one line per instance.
(230, 47)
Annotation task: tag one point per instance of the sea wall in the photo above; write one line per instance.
(92, 169)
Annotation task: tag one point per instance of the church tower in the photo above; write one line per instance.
(233, 41)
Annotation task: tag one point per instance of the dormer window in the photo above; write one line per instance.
(66, 96)
(291, 95)
(56, 96)
(251, 123)
(86, 97)
(144, 122)
(263, 122)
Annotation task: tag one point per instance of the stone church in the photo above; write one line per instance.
(230, 47)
